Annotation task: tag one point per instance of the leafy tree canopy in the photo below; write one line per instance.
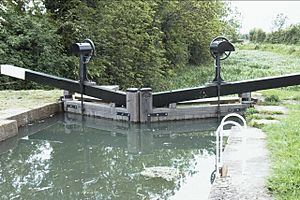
(138, 42)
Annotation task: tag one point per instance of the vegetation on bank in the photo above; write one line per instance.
(245, 63)
(27, 99)
(138, 43)
(284, 94)
(283, 138)
(283, 49)
(284, 145)
(280, 35)
(250, 61)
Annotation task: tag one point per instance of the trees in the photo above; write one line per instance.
(279, 22)
(257, 35)
(137, 42)
(28, 39)
(279, 35)
(289, 35)
(231, 23)
(188, 28)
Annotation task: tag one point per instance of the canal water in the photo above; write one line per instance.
(70, 157)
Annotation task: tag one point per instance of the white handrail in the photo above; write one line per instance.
(235, 115)
(219, 137)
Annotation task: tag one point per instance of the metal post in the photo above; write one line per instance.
(83, 78)
(218, 71)
(218, 66)
(86, 50)
(83, 67)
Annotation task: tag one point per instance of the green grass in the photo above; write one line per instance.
(255, 61)
(251, 64)
(245, 63)
(252, 113)
(191, 76)
(291, 93)
(269, 117)
(268, 112)
(27, 98)
(291, 50)
(284, 145)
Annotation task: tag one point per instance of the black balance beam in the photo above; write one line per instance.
(227, 88)
(117, 97)
(160, 98)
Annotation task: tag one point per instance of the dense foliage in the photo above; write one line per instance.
(30, 40)
(289, 35)
(257, 35)
(138, 42)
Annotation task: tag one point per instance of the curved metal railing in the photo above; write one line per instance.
(220, 134)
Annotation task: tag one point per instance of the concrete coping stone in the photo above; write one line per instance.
(132, 89)
(8, 129)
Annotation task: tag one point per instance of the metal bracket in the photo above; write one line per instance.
(157, 114)
(123, 114)
(203, 94)
(236, 109)
(72, 106)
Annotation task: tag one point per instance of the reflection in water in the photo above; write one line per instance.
(70, 158)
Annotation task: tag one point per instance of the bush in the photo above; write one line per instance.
(257, 35)
(290, 35)
(138, 43)
(273, 99)
(30, 41)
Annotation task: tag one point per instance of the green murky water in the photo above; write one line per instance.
(65, 157)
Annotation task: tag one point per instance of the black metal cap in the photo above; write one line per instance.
(219, 47)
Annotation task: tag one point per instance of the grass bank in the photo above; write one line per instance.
(262, 60)
(289, 93)
(245, 63)
(27, 98)
(284, 145)
(290, 50)
(283, 138)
